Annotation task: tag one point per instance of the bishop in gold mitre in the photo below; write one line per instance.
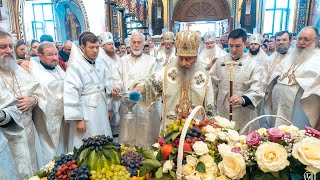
(182, 84)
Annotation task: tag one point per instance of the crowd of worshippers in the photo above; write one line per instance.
(53, 96)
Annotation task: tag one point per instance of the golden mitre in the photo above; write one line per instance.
(187, 43)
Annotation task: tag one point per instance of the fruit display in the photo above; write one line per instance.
(177, 125)
(132, 161)
(124, 149)
(98, 152)
(63, 166)
(114, 172)
(80, 173)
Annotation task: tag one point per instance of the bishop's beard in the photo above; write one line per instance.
(209, 53)
(187, 74)
(254, 52)
(302, 54)
(167, 51)
(8, 63)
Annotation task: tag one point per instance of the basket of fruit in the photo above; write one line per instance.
(198, 111)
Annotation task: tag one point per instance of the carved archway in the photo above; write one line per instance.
(201, 10)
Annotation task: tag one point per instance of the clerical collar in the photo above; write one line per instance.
(136, 55)
(47, 66)
(235, 59)
(90, 61)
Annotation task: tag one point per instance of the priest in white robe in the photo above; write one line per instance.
(50, 76)
(296, 95)
(183, 84)
(111, 59)
(283, 44)
(143, 130)
(10, 124)
(168, 52)
(25, 145)
(210, 52)
(247, 84)
(87, 93)
(256, 53)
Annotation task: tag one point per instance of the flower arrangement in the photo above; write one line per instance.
(279, 151)
(208, 152)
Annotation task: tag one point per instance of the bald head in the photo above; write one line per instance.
(67, 47)
(307, 37)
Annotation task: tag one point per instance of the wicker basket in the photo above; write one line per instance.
(260, 117)
(195, 113)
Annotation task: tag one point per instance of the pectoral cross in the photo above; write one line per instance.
(283, 76)
(291, 77)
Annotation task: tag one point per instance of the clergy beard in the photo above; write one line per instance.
(8, 63)
(111, 54)
(167, 51)
(209, 53)
(136, 53)
(302, 54)
(283, 49)
(254, 52)
(187, 74)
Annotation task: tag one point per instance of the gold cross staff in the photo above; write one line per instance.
(231, 64)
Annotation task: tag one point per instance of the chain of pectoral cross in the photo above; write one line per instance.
(291, 71)
(59, 79)
(14, 78)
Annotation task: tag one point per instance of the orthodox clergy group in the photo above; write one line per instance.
(50, 102)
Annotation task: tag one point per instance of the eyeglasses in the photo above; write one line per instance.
(305, 39)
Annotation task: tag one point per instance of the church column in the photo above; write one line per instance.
(302, 14)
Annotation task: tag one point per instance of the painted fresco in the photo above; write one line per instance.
(70, 20)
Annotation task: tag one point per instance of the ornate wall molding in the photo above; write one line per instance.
(83, 9)
(201, 10)
(174, 3)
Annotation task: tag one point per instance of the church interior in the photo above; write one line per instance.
(65, 20)
(159, 89)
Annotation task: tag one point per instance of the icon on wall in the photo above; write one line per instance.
(70, 19)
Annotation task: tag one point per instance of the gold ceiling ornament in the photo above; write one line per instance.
(187, 43)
